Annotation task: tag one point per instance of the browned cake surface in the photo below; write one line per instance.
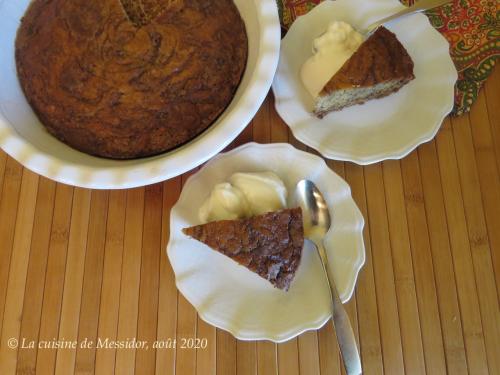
(126, 84)
(380, 58)
(269, 245)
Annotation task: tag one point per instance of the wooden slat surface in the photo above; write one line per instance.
(91, 265)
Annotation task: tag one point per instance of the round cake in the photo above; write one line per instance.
(130, 78)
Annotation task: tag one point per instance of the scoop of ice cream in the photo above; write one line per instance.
(264, 191)
(224, 203)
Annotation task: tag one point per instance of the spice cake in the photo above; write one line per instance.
(131, 78)
(269, 244)
(379, 67)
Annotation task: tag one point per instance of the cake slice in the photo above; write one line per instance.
(269, 245)
(380, 67)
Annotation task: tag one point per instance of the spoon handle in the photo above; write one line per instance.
(419, 6)
(341, 322)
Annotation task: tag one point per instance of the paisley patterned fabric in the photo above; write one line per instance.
(472, 27)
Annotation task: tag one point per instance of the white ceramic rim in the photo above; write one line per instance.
(231, 327)
(180, 160)
(404, 149)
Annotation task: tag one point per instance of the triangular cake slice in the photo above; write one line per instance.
(379, 67)
(269, 244)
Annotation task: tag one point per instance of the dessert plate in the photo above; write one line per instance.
(24, 138)
(387, 128)
(231, 297)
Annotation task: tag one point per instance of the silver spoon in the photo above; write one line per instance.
(419, 6)
(316, 218)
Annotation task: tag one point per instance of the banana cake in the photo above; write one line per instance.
(269, 245)
(379, 67)
(131, 78)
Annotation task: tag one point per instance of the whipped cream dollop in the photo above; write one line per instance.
(224, 203)
(264, 191)
(330, 51)
(245, 195)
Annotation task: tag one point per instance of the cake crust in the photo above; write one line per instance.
(269, 244)
(130, 79)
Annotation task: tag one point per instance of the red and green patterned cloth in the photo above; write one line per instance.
(472, 27)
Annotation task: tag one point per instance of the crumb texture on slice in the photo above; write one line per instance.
(269, 244)
(380, 67)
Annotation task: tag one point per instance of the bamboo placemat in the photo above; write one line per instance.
(80, 265)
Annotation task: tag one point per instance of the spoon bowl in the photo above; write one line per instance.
(315, 213)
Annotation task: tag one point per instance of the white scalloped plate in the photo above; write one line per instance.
(24, 138)
(388, 128)
(231, 297)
